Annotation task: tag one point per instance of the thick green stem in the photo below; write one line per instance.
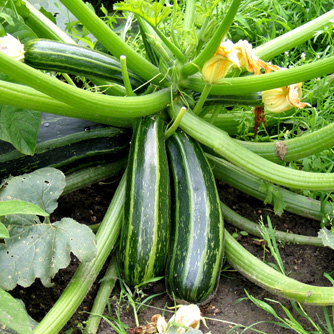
(189, 16)
(111, 41)
(295, 148)
(246, 225)
(86, 273)
(94, 174)
(258, 83)
(44, 27)
(221, 143)
(24, 97)
(112, 106)
(212, 46)
(100, 302)
(293, 38)
(270, 279)
(251, 185)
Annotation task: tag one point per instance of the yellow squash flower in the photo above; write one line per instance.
(239, 55)
(12, 47)
(282, 99)
(216, 68)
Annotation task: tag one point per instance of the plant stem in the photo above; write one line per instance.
(212, 46)
(189, 16)
(296, 148)
(221, 143)
(44, 27)
(270, 279)
(246, 225)
(86, 273)
(257, 83)
(202, 98)
(249, 184)
(125, 74)
(176, 123)
(111, 41)
(94, 174)
(293, 38)
(24, 97)
(112, 106)
(101, 299)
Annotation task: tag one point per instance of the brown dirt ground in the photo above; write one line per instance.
(305, 263)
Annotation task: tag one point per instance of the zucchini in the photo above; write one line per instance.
(74, 59)
(68, 144)
(145, 231)
(197, 231)
(251, 99)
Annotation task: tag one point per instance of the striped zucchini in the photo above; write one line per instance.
(196, 253)
(74, 59)
(68, 144)
(145, 230)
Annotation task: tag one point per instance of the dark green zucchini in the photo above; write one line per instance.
(66, 143)
(73, 59)
(253, 99)
(145, 230)
(196, 253)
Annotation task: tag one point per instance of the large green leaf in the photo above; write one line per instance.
(3, 231)
(35, 248)
(41, 187)
(13, 315)
(40, 250)
(20, 207)
(19, 127)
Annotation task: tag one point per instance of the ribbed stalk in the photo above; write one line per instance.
(249, 184)
(296, 148)
(111, 41)
(293, 38)
(24, 97)
(44, 27)
(221, 143)
(112, 106)
(86, 273)
(268, 278)
(257, 83)
(246, 225)
(101, 299)
(212, 46)
(94, 174)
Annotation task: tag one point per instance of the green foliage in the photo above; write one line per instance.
(13, 315)
(151, 11)
(38, 248)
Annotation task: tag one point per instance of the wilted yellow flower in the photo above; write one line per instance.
(216, 68)
(239, 55)
(281, 99)
(187, 315)
(12, 47)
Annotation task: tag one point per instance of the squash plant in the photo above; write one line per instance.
(183, 65)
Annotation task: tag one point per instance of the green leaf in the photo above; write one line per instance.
(20, 31)
(41, 187)
(151, 11)
(13, 315)
(274, 197)
(327, 237)
(20, 207)
(19, 127)
(3, 231)
(40, 250)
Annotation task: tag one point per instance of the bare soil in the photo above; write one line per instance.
(305, 263)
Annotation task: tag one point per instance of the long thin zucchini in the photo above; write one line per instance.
(145, 230)
(68, 144)
(73, 59)
(197, 245)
